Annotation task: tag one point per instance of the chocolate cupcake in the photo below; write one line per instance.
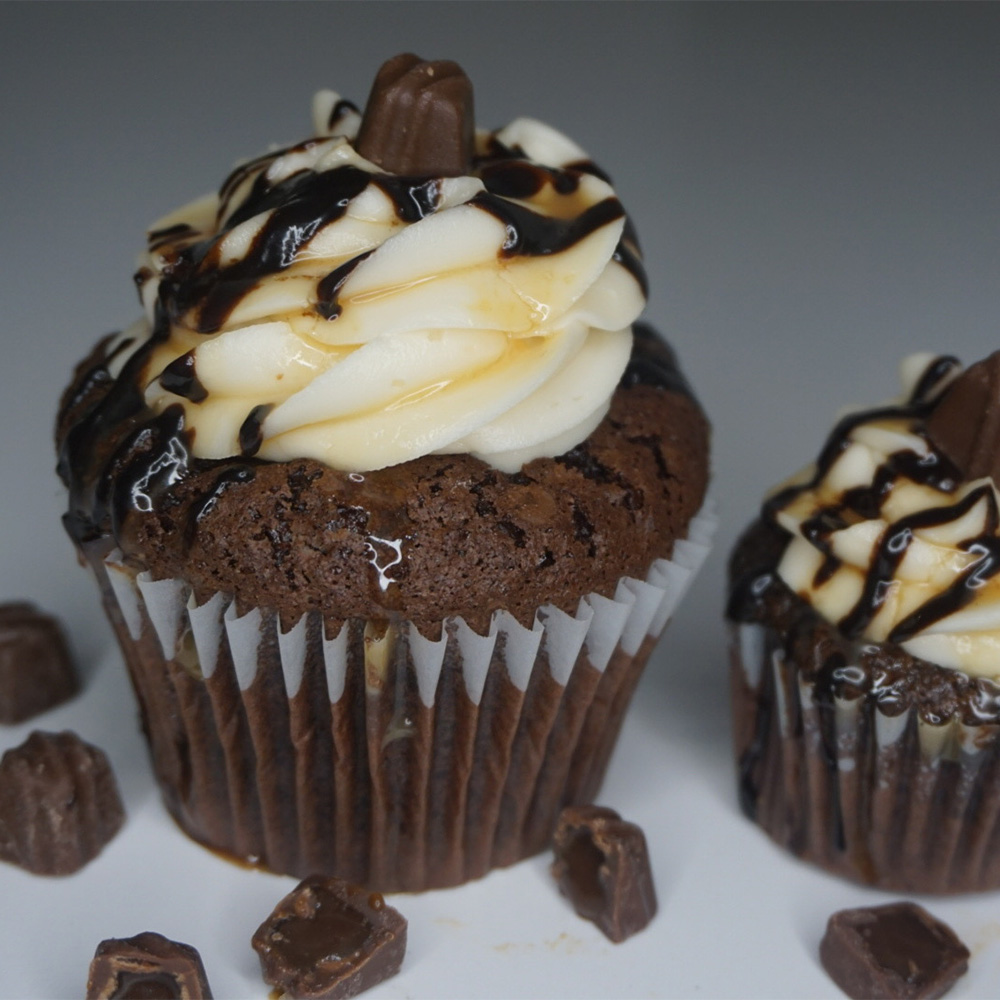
(866, 642)
(387, 494)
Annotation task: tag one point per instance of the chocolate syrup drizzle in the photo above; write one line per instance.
(934, 470)
(341, 110)
(251, 434)
(117, 455)
(206, 290)
(179, 378)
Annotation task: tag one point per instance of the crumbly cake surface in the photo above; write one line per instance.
(435, 537)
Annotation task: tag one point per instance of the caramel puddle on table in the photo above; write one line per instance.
(564, 944)
(987, 934)
(449, 922)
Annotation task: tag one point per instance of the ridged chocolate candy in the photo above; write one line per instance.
(59, 804)
(965, 424)
(36, 672)
(419, 119)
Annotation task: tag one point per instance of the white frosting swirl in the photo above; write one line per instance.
(931, 541)
(443, 338)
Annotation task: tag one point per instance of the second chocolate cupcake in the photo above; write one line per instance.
(865, 611)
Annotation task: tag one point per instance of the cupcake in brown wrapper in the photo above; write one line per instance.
(365, 748)
(387, 497)
(857, 748)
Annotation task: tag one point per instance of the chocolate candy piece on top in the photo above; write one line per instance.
(330, 939)
(419, 119)
(147, 967)
(35, 668)
(602, 866)
(965, 424)
(59, 804)
(896, 950)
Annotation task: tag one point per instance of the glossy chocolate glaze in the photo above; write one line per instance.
(179, 378)
(251, 431)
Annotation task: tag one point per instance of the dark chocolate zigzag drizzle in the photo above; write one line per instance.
(935, 470)
(300, 205)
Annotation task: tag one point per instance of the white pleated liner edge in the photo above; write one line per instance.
(639, 608)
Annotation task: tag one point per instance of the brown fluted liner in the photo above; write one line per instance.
(859, 791)
(376, 787)
(385, 782)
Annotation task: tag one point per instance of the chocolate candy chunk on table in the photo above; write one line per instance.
(147, 967)
(36, 672)
(59, 804)
(602, 866)
(328, 939)
(893, 951)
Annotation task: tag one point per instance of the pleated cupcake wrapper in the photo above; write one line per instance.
(859, 786)
(370, 750)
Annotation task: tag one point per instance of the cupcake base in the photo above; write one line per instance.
(859, 758)
(366, 750)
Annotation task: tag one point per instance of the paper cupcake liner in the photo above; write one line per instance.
(873, 793)
(370, 751)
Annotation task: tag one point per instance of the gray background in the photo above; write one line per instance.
(815, 187)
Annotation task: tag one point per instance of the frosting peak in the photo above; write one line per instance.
(321, 306)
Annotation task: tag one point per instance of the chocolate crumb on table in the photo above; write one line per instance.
(36, 672)
(894, 951)
(59, 803)
(147, 967)
(328, 939)
(602, 866)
